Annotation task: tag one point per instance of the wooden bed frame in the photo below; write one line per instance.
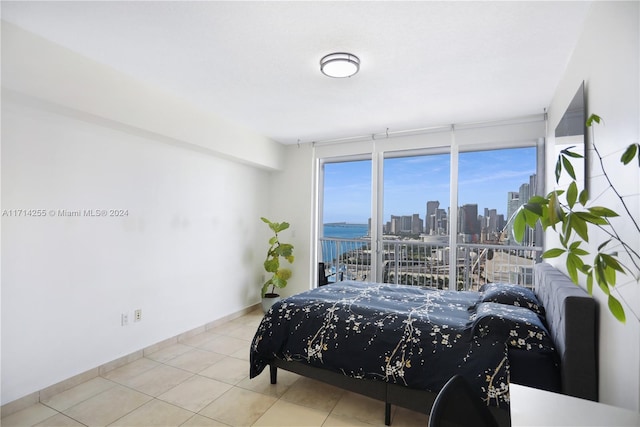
(571, 315)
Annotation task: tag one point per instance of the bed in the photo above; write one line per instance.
(400, 344)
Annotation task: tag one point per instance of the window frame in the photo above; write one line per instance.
(514, 133)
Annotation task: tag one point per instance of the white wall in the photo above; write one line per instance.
(186, 254)
(292, 200)
(607, 59)
(54, 74)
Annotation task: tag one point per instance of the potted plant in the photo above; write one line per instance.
(279, 275)
(570, 213)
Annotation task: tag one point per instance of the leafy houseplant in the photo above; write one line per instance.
(571, 215)
(277, 251)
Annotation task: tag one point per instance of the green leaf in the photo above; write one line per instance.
(590, 284)
(601, 278)
(284, 250)
(573, 264)
(602, 245)
(519, 222)
(610, 275)
(612, 262)
(630, 153)
(538, 200)
(284, 274)
(558, 169)
(271, 265)
(553, 253)
(531, 218)
(553, 209)
(616, 309)
(580, 226)
(568, 167)
(575, 249)
(535, 208)
(281, 226)
(602, 211)
(572, 194)
(583, 198)
(278, 282)
(589, 217)
(577, 260)
(557, 193)
(580, 252)
(568, 152)
(566, 229)
(593, 118)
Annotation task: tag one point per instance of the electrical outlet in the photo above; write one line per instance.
(137, 315)
(124, 319)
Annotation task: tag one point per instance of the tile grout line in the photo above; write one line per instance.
(30, 399)
(237, 385)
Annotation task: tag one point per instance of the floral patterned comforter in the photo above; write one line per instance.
(406, 335)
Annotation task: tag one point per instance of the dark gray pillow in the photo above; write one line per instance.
(503, 293)
(516, 326)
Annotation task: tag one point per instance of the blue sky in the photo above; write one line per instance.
(485, 178)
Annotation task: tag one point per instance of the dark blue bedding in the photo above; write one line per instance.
(407, 335)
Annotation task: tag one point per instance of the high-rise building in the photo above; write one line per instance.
(394, 225)
(524, 194)
(492, 221)
(468, 220)
(416, 224)
(513, 203)
(533, 185)
(405, 224)
(432, 207)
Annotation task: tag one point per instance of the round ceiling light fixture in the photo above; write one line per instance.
(339, 65)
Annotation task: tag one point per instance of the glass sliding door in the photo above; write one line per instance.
(345, 243)
(492, 185)
(415, 226)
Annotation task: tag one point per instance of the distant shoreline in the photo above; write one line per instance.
(344, 224)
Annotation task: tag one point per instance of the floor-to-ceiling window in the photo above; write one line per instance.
(492, 185)
(346, 211)
(431, 215)
(415, 225)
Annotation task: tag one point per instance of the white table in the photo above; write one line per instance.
(533, 407)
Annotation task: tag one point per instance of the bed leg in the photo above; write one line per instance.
(387, 414)
(273, 371)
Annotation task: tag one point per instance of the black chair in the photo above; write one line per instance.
(323, 278)
(456, 405)
(322, 275)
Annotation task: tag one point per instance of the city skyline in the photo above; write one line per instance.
(485, 178)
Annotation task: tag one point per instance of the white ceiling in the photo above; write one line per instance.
(257, 63)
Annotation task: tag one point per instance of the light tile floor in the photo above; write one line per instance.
(204, 381)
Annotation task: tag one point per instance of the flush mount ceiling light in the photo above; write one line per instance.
(339, 65)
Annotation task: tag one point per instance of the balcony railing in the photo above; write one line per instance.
(427, 264)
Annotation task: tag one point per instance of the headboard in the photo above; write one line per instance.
(572, 317)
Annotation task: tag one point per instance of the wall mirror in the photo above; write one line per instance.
(571, 132)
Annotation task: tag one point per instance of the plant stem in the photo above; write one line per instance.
(612, 187)
(633, 255)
